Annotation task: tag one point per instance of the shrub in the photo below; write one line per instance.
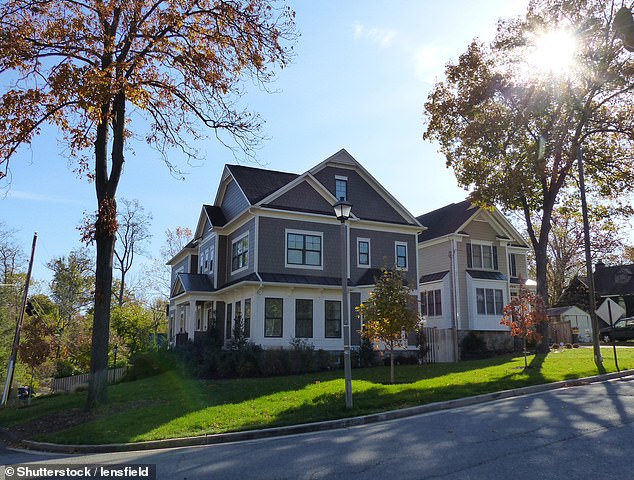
(473, 345)
(148, 364)
(367, 353)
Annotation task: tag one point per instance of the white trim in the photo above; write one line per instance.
(369, 264)
(291, 231)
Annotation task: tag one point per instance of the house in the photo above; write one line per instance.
(617, 283)
(614, 281)
(580, 322)
(268, 252)
(471, 261)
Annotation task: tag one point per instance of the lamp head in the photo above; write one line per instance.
(342, 210)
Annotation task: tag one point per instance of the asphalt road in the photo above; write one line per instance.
(578, 432)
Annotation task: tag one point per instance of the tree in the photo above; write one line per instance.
(512, 132)
(71, 289)
(134, 225)
(566, 245)
(135, 325)
(389, 313)
(523, 316)
(84, 66)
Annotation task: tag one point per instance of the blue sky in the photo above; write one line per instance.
(361, 74)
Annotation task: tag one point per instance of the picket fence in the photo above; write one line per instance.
(70, 384)
(441, 345)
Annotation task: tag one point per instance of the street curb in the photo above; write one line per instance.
(316, 426)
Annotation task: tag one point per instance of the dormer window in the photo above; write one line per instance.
(341, 188)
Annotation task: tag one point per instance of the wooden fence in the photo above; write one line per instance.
(441, 345)
(559, 332)
(69, 384)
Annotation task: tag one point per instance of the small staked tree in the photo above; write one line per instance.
(523, 316)
(389, 313)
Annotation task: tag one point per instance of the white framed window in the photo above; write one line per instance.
(341, 187)
(431, 303)
(489, 301)
(363, 252)
(482, 256)
(304, 249)
(273, 317)
(332, 320)
(240, 253)
(400, 253)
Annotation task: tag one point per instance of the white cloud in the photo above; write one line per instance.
(429, 63)
(379, 36)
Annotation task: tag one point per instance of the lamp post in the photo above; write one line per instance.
(342, 211)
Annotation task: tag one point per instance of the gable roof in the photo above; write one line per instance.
(446, 220)
(258, 183)
(215, 215)
(453, 218)
(191, 282)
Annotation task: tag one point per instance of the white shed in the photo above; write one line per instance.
(579, 321)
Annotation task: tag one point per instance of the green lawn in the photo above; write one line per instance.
(168, 405)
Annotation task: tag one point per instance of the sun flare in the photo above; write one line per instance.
(553, 52)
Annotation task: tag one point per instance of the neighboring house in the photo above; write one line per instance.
(617, 283)
(471, 262)
(268, 251)
(580, 321)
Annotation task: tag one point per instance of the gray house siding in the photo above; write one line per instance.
(233, 202)
(382, 252)
(366, 202)
(272, 247)
(183, 266)
(303, 198)
(222, 267)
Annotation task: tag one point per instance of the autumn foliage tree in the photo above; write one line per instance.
(85, 66)
(523, 316)
(389, 314)
(513, 127)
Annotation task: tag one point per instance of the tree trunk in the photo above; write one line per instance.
(541, 263)
(105, 235)
(97, 389)
(392, 365)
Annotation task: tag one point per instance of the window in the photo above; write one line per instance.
(341, 188)
(240, 253)
(363, 252)
(303, 318)
(401, 255)
(303, 249)
(482, 256)
(228, 321)
(512, 265)
(333, 318)
(247, 317)
(490, 301)
(273, 315)
(431, 303)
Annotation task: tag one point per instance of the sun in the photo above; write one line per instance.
(553, 52)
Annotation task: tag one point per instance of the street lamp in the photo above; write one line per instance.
(342, 211)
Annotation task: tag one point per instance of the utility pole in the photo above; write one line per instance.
(18, 327)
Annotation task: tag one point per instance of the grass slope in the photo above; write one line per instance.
(169, 405)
